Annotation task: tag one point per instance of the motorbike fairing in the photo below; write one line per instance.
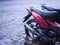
(42, 21)
(50, 15)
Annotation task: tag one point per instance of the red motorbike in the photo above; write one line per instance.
(43, 27)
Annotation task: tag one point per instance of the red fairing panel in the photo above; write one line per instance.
(40, 20)
(53, 24)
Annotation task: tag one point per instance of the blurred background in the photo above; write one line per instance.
(11, 17)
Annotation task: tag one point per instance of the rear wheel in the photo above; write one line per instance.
(33, 24)
(29, 40)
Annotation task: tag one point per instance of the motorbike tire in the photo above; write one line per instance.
(27, 41)
(30, 23)
(33, 24)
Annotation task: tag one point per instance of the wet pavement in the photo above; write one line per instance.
(11, 17)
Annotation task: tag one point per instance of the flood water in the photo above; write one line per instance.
(11, 25)
(11, 17)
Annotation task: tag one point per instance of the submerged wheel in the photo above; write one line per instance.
(30, 36)
(32, 23)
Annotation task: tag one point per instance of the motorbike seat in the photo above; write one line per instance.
(50, 8)
(50, 15)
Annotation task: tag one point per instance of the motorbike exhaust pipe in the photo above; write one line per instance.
(35, 33)
(32, 30)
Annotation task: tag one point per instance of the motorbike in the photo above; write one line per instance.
(43, 28)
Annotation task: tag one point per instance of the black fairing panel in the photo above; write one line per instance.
(50, 15)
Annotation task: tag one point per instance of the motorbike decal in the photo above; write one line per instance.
(40, 20)
(53, 24)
